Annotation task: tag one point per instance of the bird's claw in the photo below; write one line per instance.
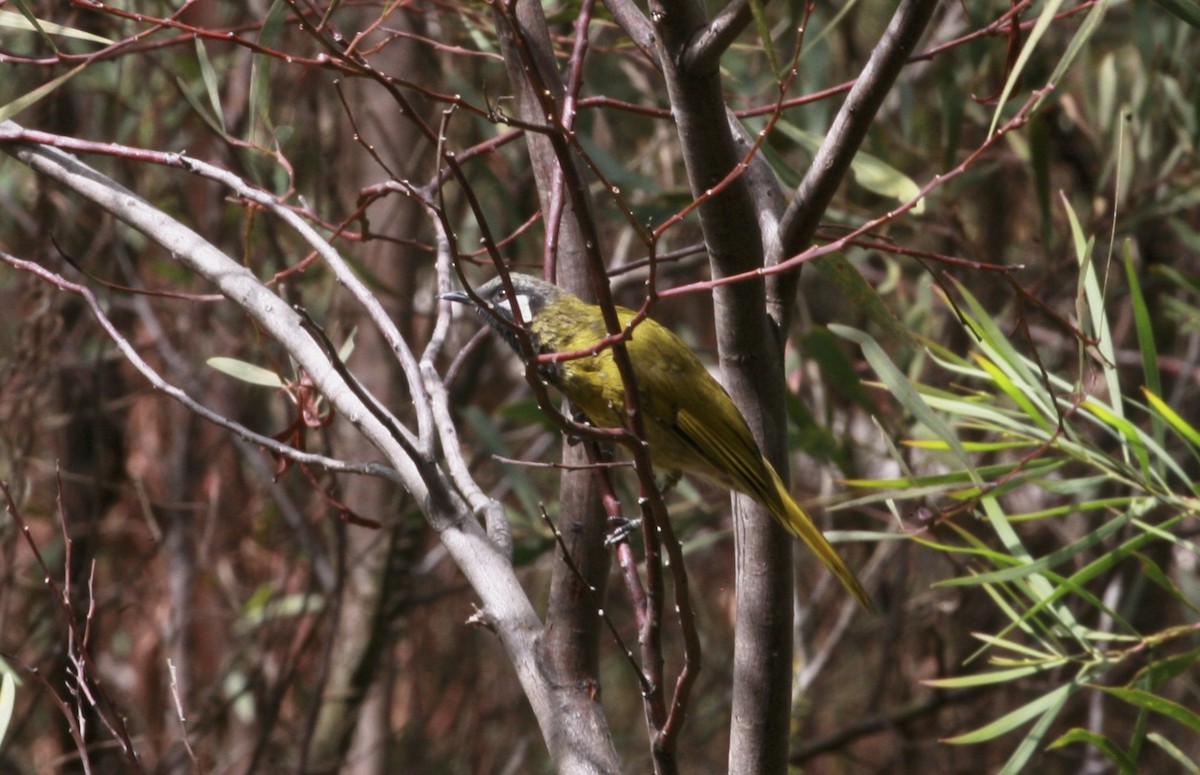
(621, 531)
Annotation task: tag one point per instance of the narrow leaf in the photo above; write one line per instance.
(1182, 426)
(1143, 699)
(1102, 744)
(870, 172)
(1186, 10)
(16, 21)
(246, 372)
(1186, 762)
(1010, 721)
(991, 677)
(209, 75)
(8, 701)
(29, 98)
(905, 393)
(1035, 35)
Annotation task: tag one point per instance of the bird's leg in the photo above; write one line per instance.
(622, 528)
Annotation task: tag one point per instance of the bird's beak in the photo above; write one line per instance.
(459, 296)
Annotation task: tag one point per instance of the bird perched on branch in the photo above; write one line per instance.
(691, 424)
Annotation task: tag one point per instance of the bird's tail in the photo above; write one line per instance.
(789, 514)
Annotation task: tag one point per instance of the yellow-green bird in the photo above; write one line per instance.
(691, 423)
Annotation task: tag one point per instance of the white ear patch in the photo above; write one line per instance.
(525, 307)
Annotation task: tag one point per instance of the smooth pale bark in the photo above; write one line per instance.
(570, 647)
(751, 367)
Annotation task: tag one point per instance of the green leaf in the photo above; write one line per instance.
(1014, 76)
(995, 641)
(1187, 10)
(836, 368)
(1126, 429)
(864, 298)
(1093, 310)
(870, 172)
(1099, 742)
(763, 26)
(259, 126)
(1018, 395)
(1154, 573)
(1144, 328)
(902, 388)
(1047, 703)
(209, 75)
(1081, 36)
(1160, 672)
(1042, 564)
(1152, 702)
(214, 122)
(29, 98)
(993, 676)
(1000, 350)
(1182, 426)
(1186, 762)
(246, 372)
(1032, 741)
(17, 21)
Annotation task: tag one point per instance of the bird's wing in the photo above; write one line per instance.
(726, 450)
(725, 443)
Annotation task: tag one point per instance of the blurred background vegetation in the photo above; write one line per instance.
(1019, 489)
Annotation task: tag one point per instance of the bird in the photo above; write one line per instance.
(690, 423)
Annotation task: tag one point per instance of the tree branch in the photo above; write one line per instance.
(507, 610)
(842, 141)
(705, 51)
(751, 364)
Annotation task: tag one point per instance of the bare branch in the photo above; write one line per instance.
(842, 141)
(160, 384)
(486, 568)
(706, 49)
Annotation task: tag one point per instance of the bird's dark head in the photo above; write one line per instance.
(530, 297)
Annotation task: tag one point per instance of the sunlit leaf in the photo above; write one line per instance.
(246, 372)
(17, 21)
(1185, 429)
(211, 88)
(347, 348)
(277, 607)
(870, 172)
(992, 676)
(8, 700)
(1186, 763)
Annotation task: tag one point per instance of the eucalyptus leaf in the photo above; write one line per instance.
(870, 172)
(17, 21)
(246, 372)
